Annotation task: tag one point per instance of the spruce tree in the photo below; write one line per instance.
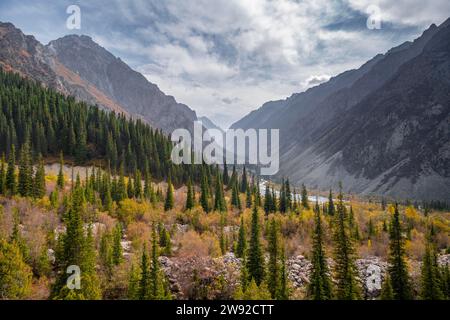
(60, 181)
(248, 199)
(244, 181)
(398, 271)
(274, 202)
(331, 209)
(244, 276)
(267, 200)
(11, 179)
(143, 291)
(16, 275)
(164, 240)
(150, 284)
(90, 282)
(233, 179)
(319, 282)
(345, 269)
(204, 201)
(130, 188)
(351, 219)
(431, 287)
(39, 180)
(241, 246)
(76, 248)
(138, 185)
(288, 195)
(147, 186)
(169, 202)
(304, 199)
(258, 194)
(226, 177)
(117, 251)
(386, 289)
(219, 199)
(189, 196)
(121, 186)
(105, 253)
(255, 262)
(283, 204)
(155, 284)
(235, 199)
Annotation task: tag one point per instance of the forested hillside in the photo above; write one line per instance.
(52, 123)
(77, 66)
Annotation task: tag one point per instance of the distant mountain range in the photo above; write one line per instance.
(209, 124)
(381, 129)
(78, 66)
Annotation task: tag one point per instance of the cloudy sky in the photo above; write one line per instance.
(225, 58)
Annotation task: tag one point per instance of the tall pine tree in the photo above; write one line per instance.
(39, 180)
(255, 262)
(60, 181)
(11, 179)
(331, 209)
(319, 282)
(431, 286)
(241, 246)
(219, 199)
(398, 270)
(304, 199)
(189, 196)
(345, 269)
(168, 204)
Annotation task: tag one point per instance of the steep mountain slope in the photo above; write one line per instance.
(209, 124)
(27, 56)
(338, 135)
(76, 65)
(128, 88)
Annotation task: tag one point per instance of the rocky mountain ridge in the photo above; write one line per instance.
(76, 65)
(379, 129)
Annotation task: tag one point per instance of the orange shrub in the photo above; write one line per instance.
(192, 244)
(138, 233)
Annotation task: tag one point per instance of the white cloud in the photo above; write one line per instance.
(279, 47)
(407, 12)
(315, 80)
